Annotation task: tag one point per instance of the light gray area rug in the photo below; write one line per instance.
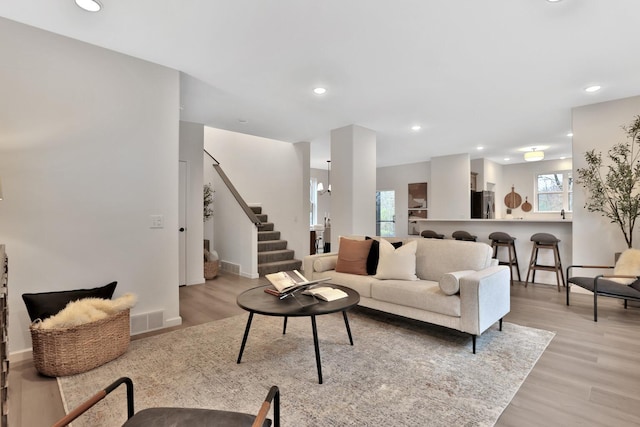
(398, 373)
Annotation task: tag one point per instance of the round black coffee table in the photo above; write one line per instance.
(256, 300)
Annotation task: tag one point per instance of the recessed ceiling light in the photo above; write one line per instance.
(89, 5)
(416, 127)
(480, 147)
(554, 1)
(319, 91)
(593, 88)
(562, 158)
(570, 134)
(506, 159)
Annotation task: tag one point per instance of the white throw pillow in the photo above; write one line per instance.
(399, 264)
(450, 282)
(628, 265)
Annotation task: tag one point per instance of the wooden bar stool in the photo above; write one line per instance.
(500, 239)
(463, 235)
(545, 241)
(430, 234)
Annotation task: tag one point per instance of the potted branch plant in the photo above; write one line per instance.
(211, 262)
(208, 199)
(613, 190)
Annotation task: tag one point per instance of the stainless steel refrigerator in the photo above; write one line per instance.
(483, 204)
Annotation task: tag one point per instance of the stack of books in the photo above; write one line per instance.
(286, 283)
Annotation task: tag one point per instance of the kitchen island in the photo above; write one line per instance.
(522, 230)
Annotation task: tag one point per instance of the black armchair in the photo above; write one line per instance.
(182, 417)
(602, 285)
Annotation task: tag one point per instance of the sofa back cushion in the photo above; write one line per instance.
(434, 258)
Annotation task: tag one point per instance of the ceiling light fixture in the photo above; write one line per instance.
(592, 89)
(534, 155)
(89, 5)
(570, 134)
(480, 148)
(319, 91)
(416, 128)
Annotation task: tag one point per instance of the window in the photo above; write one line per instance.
(554, 191)
(313, 199)
(385, 213)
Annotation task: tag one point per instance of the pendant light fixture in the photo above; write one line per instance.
(321, 189)
(534, 155)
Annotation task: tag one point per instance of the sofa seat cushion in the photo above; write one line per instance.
(421, 294)
(360, 284)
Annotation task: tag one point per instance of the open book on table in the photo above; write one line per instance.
(326, 293)
(287, 282)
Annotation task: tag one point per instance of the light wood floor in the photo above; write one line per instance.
(588, 376)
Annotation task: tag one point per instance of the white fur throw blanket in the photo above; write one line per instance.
(87, 310)
(628, 265)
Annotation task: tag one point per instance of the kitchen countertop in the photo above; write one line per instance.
(500, 220)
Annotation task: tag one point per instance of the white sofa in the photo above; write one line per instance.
(484, 293)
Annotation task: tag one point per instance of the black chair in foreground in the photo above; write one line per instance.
(624, 283)
(182, 417)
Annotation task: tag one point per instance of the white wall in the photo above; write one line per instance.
(267, 172)
(88, 151)
(597, 127)
(397, 178)
(449, 196)
(523, 176)
(191, 152)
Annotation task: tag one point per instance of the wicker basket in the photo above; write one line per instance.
(69, 351)
(210, 269)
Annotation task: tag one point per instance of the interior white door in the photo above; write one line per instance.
(182, 223)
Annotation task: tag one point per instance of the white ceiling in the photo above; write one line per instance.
(502, 74)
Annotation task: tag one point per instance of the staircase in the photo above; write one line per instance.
(273, 255)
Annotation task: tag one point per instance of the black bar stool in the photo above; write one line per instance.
(545, 241)
(463, 235)
(430, 234)
(500, 239)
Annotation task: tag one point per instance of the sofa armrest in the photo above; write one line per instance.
(485, 298)
(308, 261)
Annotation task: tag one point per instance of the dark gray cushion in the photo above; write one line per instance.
(544, 238)
(187, 417)
(608, 287)
(502, 237)
(46, 304)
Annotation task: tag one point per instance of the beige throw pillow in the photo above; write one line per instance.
(450, 282)
(628, 265)
(325, 264)
(399, 264)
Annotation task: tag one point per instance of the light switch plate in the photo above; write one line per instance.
(157, 221)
